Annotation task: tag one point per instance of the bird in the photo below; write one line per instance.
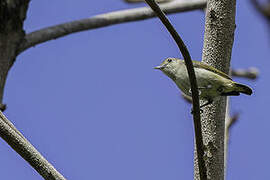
(212, 83)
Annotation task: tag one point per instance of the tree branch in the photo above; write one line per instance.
(218, 41)
(103, 20)
(194, 88)
(263, 9)
(232, 120)
(12, 16)
(250, 73)
(27, 151)
(229, 122)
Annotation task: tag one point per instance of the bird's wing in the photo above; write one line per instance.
(198, 64)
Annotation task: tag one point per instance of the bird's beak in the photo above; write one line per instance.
(159, 67)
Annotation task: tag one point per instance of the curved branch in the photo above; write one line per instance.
(27, 151)
(107, 19)
(194, 88)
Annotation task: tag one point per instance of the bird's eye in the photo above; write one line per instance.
(169, 60)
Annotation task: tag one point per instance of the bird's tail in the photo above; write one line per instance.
(243, 88)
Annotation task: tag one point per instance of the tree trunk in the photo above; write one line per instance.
(12, 16)
(218, 41)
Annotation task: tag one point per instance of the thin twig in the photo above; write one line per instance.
(103, 20)
(262, 9)
(250, 73)
(229, 122)
(193, 82)
(28, 151)
(232, 120)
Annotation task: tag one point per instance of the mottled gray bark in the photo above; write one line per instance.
(12, 16)
(218, 41)
(26, 150)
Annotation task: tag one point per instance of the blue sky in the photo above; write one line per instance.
(92, 104)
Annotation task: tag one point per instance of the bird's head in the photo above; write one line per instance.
(169, 67)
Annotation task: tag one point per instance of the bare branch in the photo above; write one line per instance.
(27, 151)
(263, 9)
(232, 120)
(250, 73)
(194, 88)
(12, 16)
(103, 20)
(229, 122)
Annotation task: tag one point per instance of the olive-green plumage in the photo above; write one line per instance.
(211, 82)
